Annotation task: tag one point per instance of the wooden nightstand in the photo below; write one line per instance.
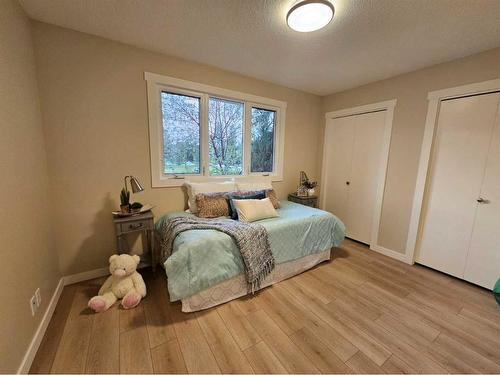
(311, 201)
(137, 223)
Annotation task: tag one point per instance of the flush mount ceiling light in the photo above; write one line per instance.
(310, 15)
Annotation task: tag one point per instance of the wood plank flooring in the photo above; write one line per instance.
(361, 312)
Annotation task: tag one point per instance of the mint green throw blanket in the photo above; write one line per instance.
(203, 258)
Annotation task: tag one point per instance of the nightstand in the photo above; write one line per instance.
(311, 201)
(137, 223)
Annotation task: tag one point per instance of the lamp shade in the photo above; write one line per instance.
(135, 185)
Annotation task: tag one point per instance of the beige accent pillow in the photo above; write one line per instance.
(254, 209)
(212, 205)
(252, 186)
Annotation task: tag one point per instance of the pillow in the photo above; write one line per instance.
(242, 195)
(253, 186)
(254, 209)
(271, 194)
(194, 188)
(211, 205)
(262, 185)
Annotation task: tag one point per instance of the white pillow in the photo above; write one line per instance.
(254, 209)
(254, 186)
(194, 188)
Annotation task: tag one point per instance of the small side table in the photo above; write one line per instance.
(137, 223)
(311, 201)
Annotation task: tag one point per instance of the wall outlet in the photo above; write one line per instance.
(33, 305)
(38, 297)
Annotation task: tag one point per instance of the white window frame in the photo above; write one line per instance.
(157, 83)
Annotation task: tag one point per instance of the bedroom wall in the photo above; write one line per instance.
(28, 253)
(96, 125)
(411, 91)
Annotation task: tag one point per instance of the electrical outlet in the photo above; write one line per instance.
(33, 305)
(38, 297)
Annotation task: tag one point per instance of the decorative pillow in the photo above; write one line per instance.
(254, 186)
(211, 205)
(254, 209)
(242, 195)
(271, 194)
(195, 188)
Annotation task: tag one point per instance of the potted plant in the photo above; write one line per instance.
(125, 201)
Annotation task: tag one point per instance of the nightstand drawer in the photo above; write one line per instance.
(134, 226)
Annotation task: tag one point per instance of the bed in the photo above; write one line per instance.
(206, 269)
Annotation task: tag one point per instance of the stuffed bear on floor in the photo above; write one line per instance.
(125, 282)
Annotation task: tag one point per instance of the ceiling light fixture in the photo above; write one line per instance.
(310, 15)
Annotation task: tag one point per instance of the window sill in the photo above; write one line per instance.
(179, 181)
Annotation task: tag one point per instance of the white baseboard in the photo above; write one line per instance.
(84, 276)
(391, 253)
(40, 332)
(44, 323)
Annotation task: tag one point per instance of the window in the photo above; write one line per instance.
(225, 137)
(181, 133)
(262, 148)
(202, 132)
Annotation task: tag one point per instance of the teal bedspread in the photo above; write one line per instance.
(203, 258)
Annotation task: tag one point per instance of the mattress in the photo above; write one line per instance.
(201, 259)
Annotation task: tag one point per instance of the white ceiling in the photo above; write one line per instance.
(368, 40)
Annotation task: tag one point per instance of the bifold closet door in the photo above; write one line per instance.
(339, 142)
(483, 260)
(457, 166)
(353, 160)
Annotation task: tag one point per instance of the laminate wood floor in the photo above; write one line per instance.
(361, 312)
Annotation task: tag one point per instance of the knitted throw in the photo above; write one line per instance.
(251, 240)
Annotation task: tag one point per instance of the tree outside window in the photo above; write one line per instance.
(181, 133)
(262, 147)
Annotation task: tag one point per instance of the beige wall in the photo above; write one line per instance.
(411, 90)
(28, 255)
(96, 125)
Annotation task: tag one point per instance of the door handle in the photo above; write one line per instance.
(482, 200)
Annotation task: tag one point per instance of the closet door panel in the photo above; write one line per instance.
(339, 141)
(365, 170)
(455, 177)
(483, 260)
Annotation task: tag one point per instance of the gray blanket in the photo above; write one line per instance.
(251, 239)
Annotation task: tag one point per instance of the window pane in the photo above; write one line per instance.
(262, 151)
(181, 133)
(225, 130)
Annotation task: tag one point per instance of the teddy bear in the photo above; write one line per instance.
(125, 283)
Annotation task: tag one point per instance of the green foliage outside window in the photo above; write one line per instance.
(262, 140)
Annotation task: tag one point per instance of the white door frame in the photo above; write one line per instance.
(388, 106)
(435, 98)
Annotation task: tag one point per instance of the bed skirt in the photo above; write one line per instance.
(237, 287)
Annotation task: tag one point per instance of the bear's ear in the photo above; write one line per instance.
(137, 259)
(112, 257)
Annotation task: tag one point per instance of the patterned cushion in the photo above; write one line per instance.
(211, 205)
(271, 194)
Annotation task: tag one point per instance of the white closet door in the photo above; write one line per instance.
(339, 146)
(483, 260)
(353, 159)
(365, 170)
(460, 151)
